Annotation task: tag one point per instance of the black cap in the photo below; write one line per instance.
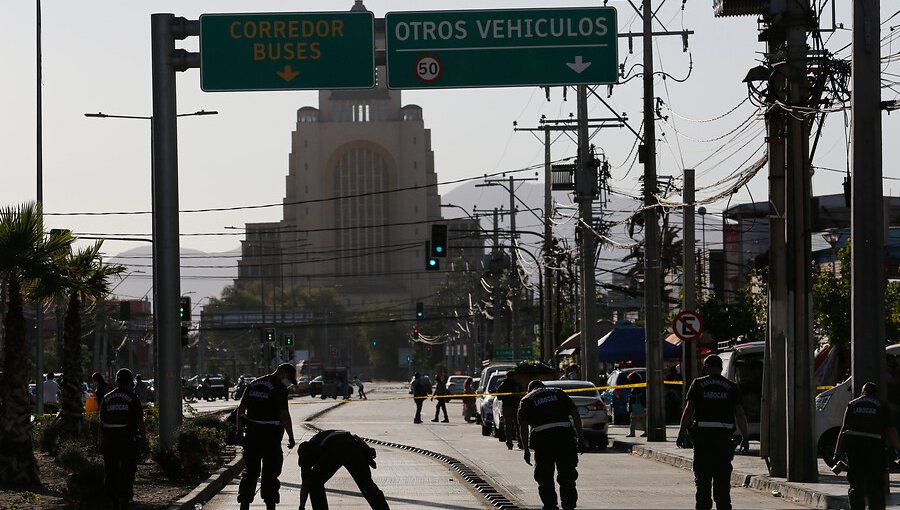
(712, 361)
(290, 371)
(124, 376)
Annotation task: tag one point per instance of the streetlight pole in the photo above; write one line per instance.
(101, 115)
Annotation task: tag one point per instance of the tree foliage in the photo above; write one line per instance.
(832, 301)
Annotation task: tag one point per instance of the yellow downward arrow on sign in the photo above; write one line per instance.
(288, 73)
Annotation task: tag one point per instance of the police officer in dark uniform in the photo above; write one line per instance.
(867, 427)
(321, 457)
(121, 430)
(713, 403)
(510, 395)
(263, 412)
(555, 436)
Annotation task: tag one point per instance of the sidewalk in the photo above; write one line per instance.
(830, 492)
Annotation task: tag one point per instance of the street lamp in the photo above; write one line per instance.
(101, 115)
(832, 238)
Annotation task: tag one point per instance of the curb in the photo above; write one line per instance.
(762, 483)
(215, 483)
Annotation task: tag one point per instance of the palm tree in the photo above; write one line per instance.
(83, 278)
(26, 256)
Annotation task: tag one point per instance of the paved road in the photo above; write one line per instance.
(606, 480)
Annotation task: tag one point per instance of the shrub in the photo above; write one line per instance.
(86, 474)
(199, 443)
(49, 433)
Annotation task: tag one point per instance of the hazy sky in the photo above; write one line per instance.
(96, 57)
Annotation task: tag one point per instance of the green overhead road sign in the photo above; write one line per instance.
(501, 48)
(287, 51)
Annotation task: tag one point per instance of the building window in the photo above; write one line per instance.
(360, 220)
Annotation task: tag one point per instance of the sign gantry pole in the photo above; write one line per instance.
(166, 61)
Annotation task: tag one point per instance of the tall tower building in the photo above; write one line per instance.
(361, 194)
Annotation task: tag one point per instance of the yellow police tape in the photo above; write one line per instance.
(503, 394)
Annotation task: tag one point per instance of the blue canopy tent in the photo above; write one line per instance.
(627, 344)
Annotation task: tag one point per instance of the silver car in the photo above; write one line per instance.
(455, 385)
(594, 420)
(484, 403)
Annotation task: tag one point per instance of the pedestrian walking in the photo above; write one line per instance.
(361, 393)
(713, 403)
(101, 387)
(322, 455)
(637, 405)
(263, 413)
(51, 394)
(440, 393)
(468, 400)
(121, 433)
(420, 390)
(866, 431)
(510, 395)
(555, 436)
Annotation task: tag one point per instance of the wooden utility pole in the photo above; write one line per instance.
(867, 217)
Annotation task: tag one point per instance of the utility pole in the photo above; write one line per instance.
(867, 217)
(514, 271)
(801, 452)
(689, 248)
(548, 343)
(656, 416)
(495, 256)
(773, 426)
(584, 195)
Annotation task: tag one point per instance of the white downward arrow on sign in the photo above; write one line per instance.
(579, 65)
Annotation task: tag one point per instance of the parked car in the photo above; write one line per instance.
(616, 399)
(594, 420)
(517, 380)
(315, 386)
(831, 404)
(302, 386)
(455, 385)
(484, 402)
(743, 364)
(480, 385)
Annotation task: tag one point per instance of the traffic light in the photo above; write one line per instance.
(415, 332)
(431, 263)
(374, 343)
(184, 308)
(289, 340)
(268, 335)
(438, 240)
(184, 336)
(420, 310)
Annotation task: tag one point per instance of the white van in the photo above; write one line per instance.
(743, 364)
(830, 407)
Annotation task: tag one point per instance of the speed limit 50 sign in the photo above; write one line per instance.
(688, 325)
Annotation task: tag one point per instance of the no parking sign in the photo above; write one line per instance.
(688, 325)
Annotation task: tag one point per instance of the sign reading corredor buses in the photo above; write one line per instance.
(287, 51)
(501, 48)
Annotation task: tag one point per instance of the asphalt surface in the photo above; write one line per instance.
(607, 480)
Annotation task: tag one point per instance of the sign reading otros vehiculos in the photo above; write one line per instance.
(287, 51)
(501, 48)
